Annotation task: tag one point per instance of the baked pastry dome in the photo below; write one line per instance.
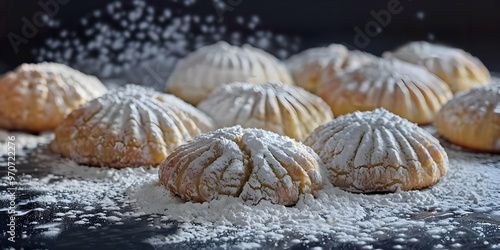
(200, 72)
(377, 151)
(286, 110)
(456, 67)
(129, 128)
(308, 66)
(472, 119)
(405, 89)
(37, 97)
(357, 58)
(354, 60)
(252, 164)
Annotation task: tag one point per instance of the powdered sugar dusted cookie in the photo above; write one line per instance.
(405, 89)
(286, 110)
(456, 67)
(309, 66)
(472, 119)
(306, 66)
(357, 58)
(200, 72)
(253, 164)
(377, 151)
(128, 128)
(36, 97)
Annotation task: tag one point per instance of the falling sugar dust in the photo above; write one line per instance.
(139, 43)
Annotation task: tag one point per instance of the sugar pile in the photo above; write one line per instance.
(471, 186)
(136, 42)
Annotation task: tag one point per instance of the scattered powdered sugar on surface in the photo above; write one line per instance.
(22, 141)
(90, 197)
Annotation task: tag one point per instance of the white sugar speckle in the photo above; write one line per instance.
(420, 15)
(139, 36)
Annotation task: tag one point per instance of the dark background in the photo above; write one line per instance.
(471, 25)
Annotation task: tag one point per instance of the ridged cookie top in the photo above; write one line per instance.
(472, 119)
(354, 60)
(203, 70)
(253, 164)
(308, 66)
(377, 151)
(357, 58)
(204, 122)
(36, 97)
(402, 88)
(128, 128)
(456, 67)
(286, 110)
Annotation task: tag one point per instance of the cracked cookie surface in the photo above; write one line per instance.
(472, 119)
(377, 151)
(131, 127)
(253, 164)
(37, 97)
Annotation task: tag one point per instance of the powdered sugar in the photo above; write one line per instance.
(436, 214)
